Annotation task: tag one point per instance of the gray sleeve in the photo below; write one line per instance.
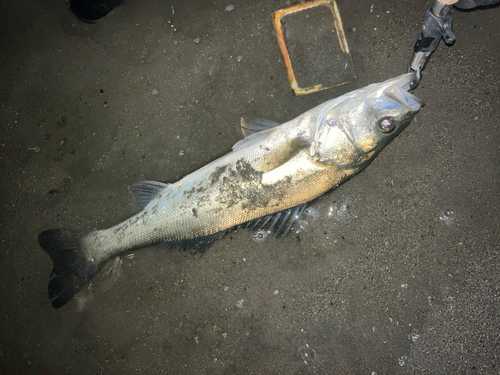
(469, 4)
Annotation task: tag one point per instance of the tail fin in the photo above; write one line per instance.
(72, 268)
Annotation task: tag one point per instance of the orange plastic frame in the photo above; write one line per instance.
(277, 15)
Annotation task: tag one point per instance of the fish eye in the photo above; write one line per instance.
(386, 125)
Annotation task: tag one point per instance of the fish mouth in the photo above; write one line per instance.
(397, 89)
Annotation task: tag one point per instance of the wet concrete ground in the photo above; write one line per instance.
(396, 271)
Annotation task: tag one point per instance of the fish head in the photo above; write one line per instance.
(352, 129)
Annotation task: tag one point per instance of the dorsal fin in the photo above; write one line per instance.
(145, 191)
(252, 139)
(254, 131)
(249, 127)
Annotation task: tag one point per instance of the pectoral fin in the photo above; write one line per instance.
(271, 157)
(279, 155)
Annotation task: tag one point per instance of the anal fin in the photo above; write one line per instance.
(194, 245)
(278, 224)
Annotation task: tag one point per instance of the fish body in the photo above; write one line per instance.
(271, 175)
(264, 182)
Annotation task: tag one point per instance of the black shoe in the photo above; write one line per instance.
(92, 10)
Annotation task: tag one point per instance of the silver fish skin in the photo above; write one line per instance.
(275, 168)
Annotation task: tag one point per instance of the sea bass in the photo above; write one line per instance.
(263, 183)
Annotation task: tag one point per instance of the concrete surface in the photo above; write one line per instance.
(397, 271)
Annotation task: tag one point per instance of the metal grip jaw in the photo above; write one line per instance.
(436, 25)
